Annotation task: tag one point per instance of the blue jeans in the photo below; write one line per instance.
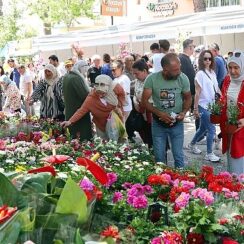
(176, 135)
(205, 126)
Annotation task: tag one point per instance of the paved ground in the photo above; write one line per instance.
(198, 160)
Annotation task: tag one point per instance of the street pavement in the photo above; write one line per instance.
(198, 160)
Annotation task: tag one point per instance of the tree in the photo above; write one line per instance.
(199, 5)
(10, 27)
(53, 12)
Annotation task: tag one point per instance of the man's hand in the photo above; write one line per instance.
(65, 124)
(240, 123)
(166, 118)
(180, 116)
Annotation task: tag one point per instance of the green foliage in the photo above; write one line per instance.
(62, 11)
(215, 108)
(233, 113)
(10, 27)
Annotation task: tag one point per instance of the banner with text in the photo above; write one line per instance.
(113, 7)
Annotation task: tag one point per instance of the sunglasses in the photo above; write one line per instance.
(205, 59)
(237, 54)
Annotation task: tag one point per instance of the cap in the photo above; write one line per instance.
(68, 62)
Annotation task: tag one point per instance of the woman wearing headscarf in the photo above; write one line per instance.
(12, 94)
(49, 92)
(233, 92)
(105, 97)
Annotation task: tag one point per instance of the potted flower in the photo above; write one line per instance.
(233, 113)
(215, 110)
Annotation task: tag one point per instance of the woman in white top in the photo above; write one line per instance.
(206, 86)
(117, 68)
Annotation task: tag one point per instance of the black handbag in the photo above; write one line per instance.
(136, 121)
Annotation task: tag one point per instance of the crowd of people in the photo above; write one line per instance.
(151, 94)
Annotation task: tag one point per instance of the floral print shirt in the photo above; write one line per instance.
(13, 97)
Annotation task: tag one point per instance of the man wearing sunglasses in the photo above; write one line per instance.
(220, 64)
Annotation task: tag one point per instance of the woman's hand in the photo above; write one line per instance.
(65, 124)
(240, 123)
(196, 113)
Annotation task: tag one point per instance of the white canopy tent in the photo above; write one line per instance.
(205, 27)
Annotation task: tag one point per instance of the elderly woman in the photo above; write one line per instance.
(206, 87)
(49, 92)
(105, 97)
(12, 93)
(233, 92)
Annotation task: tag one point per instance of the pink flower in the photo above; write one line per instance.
(241, 178)
(204, 195)
(156, 240)
(148, 189)
(112, 177)
(140, 202)
(86, 185)
(167, 178)
(182, 200)
(188, 184)
(232, 194)
(118, 196)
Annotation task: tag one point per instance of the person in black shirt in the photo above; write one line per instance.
(94, 70)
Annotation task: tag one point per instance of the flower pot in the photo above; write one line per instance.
(230, 129)
(214, 118)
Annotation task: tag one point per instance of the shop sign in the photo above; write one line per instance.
(113, 7)
(163, 8)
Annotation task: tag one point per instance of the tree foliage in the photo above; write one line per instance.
(10, 25)
(54, 12)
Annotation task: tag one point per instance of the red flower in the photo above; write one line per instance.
(56, 159)
(227, 240)
(156, 180)
(195, 238)
(95, 169)
(223, 221)
(111, 231)
(43, 169)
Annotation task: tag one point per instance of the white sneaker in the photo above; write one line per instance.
(211, 157)
(194, 149)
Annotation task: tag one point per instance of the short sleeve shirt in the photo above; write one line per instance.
(167, 94)
(209, 85)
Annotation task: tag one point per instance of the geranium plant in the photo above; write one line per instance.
(233, 113)
(215, 108)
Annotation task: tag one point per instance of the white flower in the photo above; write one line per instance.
(1, 170)
(145, 163)
(9, 161)
(62, 175)
(2, 152)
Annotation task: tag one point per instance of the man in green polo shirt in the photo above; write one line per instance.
(170, 91)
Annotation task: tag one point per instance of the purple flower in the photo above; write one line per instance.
(86, 184)
(156, 240)
(127, 185)
(148, 189)
(118, 196)
(112, 177)
(140, 202)
(182, 200)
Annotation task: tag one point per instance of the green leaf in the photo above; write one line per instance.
(73, 201)
(78, 239)
(109, 240)
(9, 194)
(37, 183)
(9, 231)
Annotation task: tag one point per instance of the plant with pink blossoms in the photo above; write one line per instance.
(86, 184)
(112, 178)
(203, 194)
(182, 200)
(118, 196)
